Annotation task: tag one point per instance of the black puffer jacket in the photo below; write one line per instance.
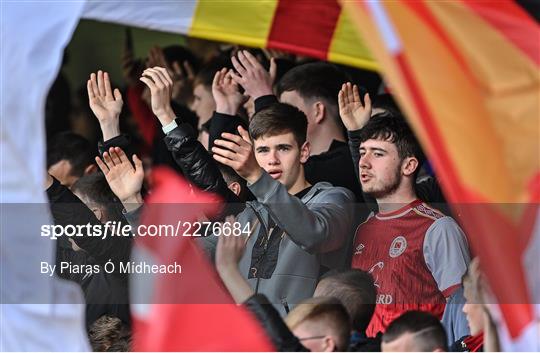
(276, 329)
(196, 163)
(200, 168)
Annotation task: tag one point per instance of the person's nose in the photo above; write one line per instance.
(365, 161)
(273, 158)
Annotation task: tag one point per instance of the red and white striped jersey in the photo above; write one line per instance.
(416, 256)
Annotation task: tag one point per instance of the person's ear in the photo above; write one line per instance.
(329, 345)
(235, 187)
(304, 152)
(320, 112)
(90, 169)
(409, 166)
(99, 213)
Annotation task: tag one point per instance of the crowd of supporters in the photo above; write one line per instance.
(350, 245)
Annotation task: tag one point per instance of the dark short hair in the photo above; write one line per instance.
(179, 54)
(357, 292)
(230, 176)
(394, 129)
(318, 80)
(110, 334)
(206, 74)
(279, 118)
(71, 147)
(95, 187)
(386, 101)
(430, 332)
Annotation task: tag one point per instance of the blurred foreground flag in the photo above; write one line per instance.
(467, 75)
(188, 310)
(315, 28)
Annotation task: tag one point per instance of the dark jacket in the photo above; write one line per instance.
(469, 344)
(192, 160)
(285, 341)
(105, 293)
(276, 329)
(200, 168)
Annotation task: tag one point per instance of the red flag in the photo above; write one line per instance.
(191, 310)
(466, 74)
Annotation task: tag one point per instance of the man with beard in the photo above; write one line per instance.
(416, 254)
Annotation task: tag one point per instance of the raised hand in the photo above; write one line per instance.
(105, 103)
(124, 180)
(252, 76)
(225, 91)
(237, 152)
(229, 251)
(353, 114)
(183, 77)
(131, 67)
(160, 83)
(230, 248)
(157, 58)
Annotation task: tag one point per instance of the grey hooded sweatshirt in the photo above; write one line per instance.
(294, 240)
(291, 241)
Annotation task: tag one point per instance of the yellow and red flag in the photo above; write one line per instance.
(467, 75)
(315, 28)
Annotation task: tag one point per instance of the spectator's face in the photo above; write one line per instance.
(61, 170)
(379, 168)
(203, 103)
(281, 157)
(473, 310)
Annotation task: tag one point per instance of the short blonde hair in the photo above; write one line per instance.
(327, 311)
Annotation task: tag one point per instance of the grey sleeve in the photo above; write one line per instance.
(446, 253)
(454, 319)
(317, 227)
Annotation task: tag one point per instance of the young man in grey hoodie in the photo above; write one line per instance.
(297, 229)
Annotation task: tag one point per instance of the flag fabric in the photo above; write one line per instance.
(190, 310)
(319, 29)
(38, 312)
(467, 75)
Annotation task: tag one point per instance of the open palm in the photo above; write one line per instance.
(105, 104)
(225, 90)
(353, 113)
(124, 180)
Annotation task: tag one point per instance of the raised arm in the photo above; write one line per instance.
(68, 209)
(228, 254)
(188, 153)
(105, 103)
(228, 101)
(124, 179)
(252, 76)
(229, 251)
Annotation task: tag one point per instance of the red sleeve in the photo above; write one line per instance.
(143, 116)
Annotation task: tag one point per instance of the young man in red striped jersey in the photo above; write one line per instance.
(416, 254)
